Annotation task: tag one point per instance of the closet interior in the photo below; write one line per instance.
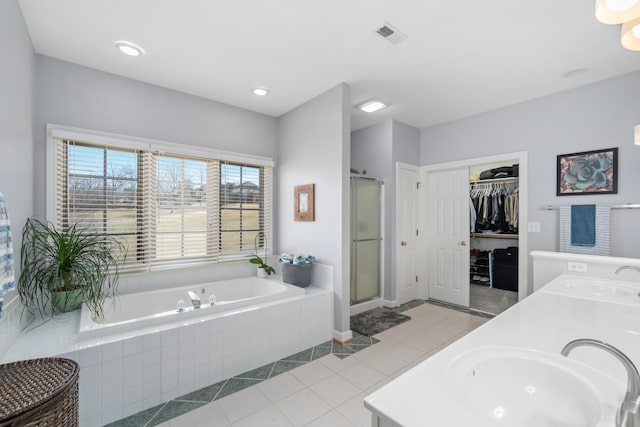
(493, 207)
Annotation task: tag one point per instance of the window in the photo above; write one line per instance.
(167, 208)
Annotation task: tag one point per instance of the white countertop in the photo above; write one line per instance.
(543, 321)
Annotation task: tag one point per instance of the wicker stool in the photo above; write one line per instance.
(39, 392)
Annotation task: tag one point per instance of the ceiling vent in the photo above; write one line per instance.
(390, 33)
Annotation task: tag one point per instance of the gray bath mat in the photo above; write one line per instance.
(377, 320)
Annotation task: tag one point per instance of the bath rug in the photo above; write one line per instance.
(377, 320)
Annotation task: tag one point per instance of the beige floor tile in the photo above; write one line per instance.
(303, 407)
(354, 410)
(331, 419)
(209, 414)
(243, 403)
(336, 364)
(335, 390)
(279, 387)
(311, 373)
(267, 417)
(362, 376)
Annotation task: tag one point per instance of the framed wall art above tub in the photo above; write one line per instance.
(589, 172)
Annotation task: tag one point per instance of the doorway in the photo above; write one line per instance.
(407, 233)
(446, 250)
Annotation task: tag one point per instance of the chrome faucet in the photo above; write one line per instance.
(629, 413)
(195, 299)
(628, 267)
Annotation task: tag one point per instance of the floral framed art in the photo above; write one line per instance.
(589, 172)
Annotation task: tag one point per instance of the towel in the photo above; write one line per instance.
(583, 225)
(7, 281)
(602, 244)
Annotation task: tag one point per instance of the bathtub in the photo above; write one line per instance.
(156, 310)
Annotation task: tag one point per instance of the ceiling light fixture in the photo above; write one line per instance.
(129, 48)
(372, 106)
(625, 12)
(260, 91)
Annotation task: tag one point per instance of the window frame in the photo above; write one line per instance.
(53, 206)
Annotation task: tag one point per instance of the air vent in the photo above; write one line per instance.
(390, 33)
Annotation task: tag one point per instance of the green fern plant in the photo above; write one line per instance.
(54, 262)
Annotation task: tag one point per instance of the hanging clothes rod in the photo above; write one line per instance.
(627, 206)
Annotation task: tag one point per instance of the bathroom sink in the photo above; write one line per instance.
(525, 388)
(615, 291)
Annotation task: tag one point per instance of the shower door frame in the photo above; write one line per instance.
(376, 301)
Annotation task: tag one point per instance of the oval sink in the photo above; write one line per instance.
(521, 387)
(595, 289)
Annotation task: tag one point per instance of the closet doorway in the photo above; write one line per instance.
(448, 268)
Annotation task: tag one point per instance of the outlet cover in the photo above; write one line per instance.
(577, 266)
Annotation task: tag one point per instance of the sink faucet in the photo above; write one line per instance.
(628, 267)
(195, 299)
(629, 413)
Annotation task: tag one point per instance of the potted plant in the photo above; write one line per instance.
(66, 268)
(264, 269)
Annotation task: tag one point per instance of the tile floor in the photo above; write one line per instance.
(320, 386)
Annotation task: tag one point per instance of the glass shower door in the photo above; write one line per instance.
(366, 239)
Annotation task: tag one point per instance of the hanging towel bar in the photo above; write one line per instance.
(627, 206)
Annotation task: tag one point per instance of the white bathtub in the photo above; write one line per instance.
(154, 309)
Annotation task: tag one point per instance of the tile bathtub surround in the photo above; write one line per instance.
(329, 391)
(130, 375)
(222, 389)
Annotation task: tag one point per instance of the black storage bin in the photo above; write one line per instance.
(505, 269)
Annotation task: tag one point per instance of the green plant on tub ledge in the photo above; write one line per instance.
(264, 269)
(62, 269)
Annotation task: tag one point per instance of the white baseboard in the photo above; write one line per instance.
(342, 337)
(390, 303)
(362, 307)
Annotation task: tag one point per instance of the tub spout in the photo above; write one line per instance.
(195, 299)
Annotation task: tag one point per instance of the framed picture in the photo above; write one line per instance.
(590, 172)
(304, 204)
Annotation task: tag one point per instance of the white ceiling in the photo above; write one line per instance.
(461, 58)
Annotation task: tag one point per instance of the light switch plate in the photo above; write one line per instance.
(533, 227)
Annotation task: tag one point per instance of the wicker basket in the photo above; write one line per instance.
(39, 392)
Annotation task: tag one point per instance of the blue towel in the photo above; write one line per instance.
(7, 281)
(583, 225)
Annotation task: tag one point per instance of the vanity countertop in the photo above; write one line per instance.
(545, 322)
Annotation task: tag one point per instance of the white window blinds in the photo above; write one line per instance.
(167, 209)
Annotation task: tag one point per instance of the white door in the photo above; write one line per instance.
(406, 232)
(448, 236)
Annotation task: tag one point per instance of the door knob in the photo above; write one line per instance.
(403, 243)
(463, 243)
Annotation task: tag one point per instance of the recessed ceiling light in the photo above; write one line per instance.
(260, 91)
(372, 106)
(129, 48)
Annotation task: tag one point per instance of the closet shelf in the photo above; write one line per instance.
(502, 236)
(484, 181)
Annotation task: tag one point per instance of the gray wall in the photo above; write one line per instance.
(596, 116)
(73, 95)
(313, 148)
(16, 131)
(377, 148)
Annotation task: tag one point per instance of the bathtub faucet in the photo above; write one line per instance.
(195, 299)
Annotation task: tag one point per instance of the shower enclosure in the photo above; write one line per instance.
(366, 238)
